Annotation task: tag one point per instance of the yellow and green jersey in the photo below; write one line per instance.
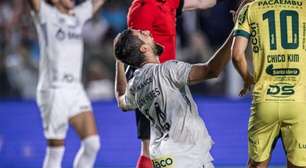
(277, 31)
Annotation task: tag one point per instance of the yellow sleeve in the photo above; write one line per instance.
(242, 27)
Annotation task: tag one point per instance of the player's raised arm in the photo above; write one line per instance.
(120, 85)
(124, 99)
(35, 5)
(214, 66)
(97, 4)
(198, 4)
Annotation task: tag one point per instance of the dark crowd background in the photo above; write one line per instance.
(199, 34)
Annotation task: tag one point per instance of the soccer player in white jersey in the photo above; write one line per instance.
(60, 94)
(179, 138)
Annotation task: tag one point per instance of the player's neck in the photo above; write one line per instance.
(151, 60)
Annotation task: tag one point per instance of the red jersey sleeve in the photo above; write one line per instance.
(141, 15)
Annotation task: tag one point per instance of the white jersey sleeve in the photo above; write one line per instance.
(177, 72)
(85, 10)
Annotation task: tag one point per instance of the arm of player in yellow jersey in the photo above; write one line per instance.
(239, 47)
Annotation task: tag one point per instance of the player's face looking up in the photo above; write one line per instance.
(147, 38)
(143, 35)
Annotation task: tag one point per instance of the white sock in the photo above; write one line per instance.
(86, 156)
(54, 157)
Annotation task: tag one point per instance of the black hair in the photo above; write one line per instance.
(127, 48)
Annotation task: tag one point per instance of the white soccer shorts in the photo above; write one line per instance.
(58, 105)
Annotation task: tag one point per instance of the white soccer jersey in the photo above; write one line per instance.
(61, 43)
(179, 137)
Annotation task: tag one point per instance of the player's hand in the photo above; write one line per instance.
(247, 86)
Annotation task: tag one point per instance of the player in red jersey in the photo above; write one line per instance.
(159, 17)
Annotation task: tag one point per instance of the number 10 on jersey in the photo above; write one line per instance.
(287, 18)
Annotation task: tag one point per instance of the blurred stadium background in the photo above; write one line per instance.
(200, 33)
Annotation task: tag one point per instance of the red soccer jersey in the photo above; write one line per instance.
(159, 17)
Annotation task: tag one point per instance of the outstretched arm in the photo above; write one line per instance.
(97, 4)
(214, 66)
(198, 4)
(35, 5)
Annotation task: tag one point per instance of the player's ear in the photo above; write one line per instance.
(144, 48)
